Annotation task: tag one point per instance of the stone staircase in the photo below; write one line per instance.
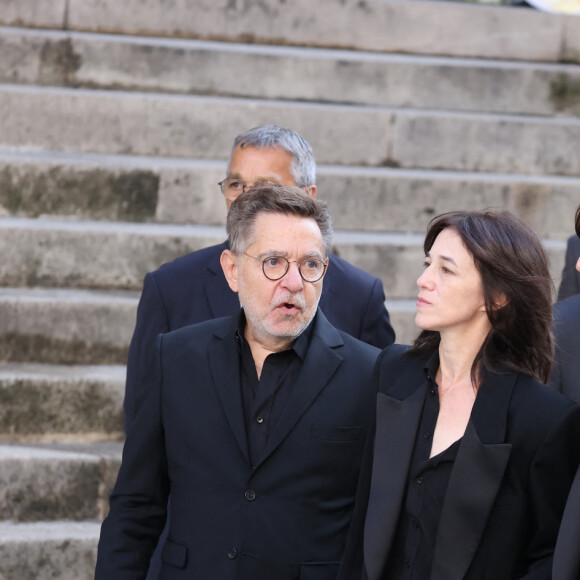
(116, 119)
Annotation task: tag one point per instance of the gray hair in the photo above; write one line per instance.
(303, 166)
(274, 199)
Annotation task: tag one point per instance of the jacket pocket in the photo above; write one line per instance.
(174, 554)
(332, 433)
(319, 570)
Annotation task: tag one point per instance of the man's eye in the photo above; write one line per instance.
(272, 262)
(236, 185)
(311, 264)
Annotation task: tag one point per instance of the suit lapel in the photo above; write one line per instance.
(320, 364)
(397, 424)
(226, 378)
(221, 300)
(475, 480)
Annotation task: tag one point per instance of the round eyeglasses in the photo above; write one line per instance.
(275, 267)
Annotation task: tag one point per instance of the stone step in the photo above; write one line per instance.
(74, 326)
(66, 326)
(113, 255)
(423, 27)
(117, 122)
(31, 56)
(55, 402)
(61, 550)
(132, 188)
(47, 484)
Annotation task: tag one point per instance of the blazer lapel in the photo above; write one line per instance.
(226, 378)
(319, 366)
(397, 424)
(475, 480)
(220, 298)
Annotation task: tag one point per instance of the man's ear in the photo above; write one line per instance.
(311, 190)
(229, 263)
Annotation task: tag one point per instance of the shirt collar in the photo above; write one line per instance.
(299, 346)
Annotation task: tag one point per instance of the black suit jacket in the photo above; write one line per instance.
(285, 519)
(565, 375)
(570, 283)
(567, 554)
(507, 489)
(193, 288)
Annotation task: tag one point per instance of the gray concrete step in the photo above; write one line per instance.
(113, 255)
(32, 56)
(132, 188)
(61, 550)
(85, 326)
(66, 326)
(117, 122)
(55, 402)
(424, 27)
(44, 484)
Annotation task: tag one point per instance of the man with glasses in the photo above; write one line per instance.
(193, 288)
(254, 423)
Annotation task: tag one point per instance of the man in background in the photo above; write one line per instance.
(570, 283)
(565, 375)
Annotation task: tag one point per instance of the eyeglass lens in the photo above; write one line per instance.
(276, 267)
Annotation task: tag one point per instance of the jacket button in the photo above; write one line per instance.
(250, 495)
(232, 554)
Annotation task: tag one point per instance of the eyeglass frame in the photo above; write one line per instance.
(288, 262)
(245, 186)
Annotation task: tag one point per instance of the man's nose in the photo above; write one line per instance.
(292, 279)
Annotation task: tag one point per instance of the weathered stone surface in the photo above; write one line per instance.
(507, 144)
(110, 122)
(112, 256)
(42, 484)
(56, 550)
(102, 255)
(360, 198)
(273, 72)
(33, 13)
(65, 326)
(571, 51)
(394, 200)
(61, 402)
(179, 126)
(36, 189)
(420, 27)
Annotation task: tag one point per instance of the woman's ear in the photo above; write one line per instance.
(499, 301)
(229, 263)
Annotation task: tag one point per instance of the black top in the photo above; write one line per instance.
(264, 399)
(414, 543)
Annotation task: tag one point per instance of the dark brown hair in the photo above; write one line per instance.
(272, 198)
(578, 221)
(512, 264)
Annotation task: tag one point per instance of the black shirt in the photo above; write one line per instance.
(264, 399)
(411, 556)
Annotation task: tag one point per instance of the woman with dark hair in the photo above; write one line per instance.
(473, 457)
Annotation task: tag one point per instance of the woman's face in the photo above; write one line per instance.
(450, 288)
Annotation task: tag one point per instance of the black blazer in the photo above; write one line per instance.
(287, 518)
(567, 554)
(565, 375)
(193, 289)
(507, 489)
(570, 283)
